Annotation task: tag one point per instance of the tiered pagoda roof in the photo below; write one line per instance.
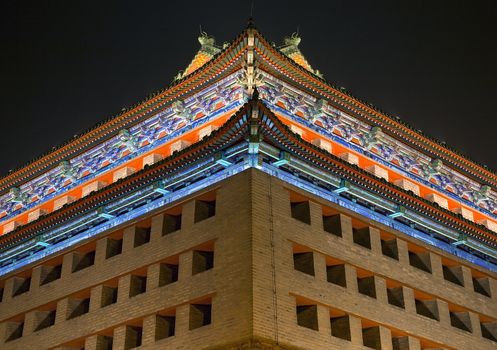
(248, 104)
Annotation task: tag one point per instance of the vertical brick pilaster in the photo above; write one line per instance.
(324, 320)
(407, 343)
(30, 322)
(153, 274)
(188, 215)
(149, 325)
(475, 324)
(351, 277)
(156, 228)
(119, 338)
(403, 252)
(436, 266)
(185, 265)
(374, 235)
(182, 319)
(319, 267)
(355, 331)
(346, 225)
(467, 278)
(409, 301)
(123, 288)
(316, 214)
(36, 277)
(62, 310)
(129, 239)
(101, 251)
(385, 338)
(443, 312)
(67, 264)
(96, 297)
(381, 289)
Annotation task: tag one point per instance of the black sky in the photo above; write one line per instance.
(66, 65)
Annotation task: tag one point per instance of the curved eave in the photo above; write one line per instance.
(362, 111)
(182, 88)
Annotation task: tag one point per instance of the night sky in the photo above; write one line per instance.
(66, 65)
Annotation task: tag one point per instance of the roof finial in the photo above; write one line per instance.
(250, 22)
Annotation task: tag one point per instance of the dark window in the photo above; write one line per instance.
(104, 342)
(366, 286)
(109, 296)
(133, 337)
(340, 327)
(114, 247)
(168, 274)
(389, 248)
(304, 262)
(482, 286)
(453, 274)
(301, 211)
(164, 326)
(21, 286)
(78, 307)
(138, 285)
(16, 329)
(336, 275)
(460, 320)
(46, 319)
(420, 261)
(51, 273)
(427, 308)
(200, 315)
(396, 296)
(82, 261)
(202, 261)
(204, 210)
(362, 237)
(142, 236)
(171, 224)
(307, 316)
(489, 330)
(333, 224)
(371, 337)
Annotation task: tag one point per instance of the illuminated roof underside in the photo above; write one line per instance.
(248, 105)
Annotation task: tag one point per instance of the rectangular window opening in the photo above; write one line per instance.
(333, 224)
(301, 211)
(142, 236)
(165, 326)
(340, 327)
(133, 337)
(109, 296)
(389, 248)
(202, 261)
(50, 274)
(396, 297)
(168, 274)
(200, 315)
(420, 261)
(304, 262)
(336, 275)
(104, 342)
(21, 286)
(138, 285)
(204, 209)
(83, 261)
(14, 330)
(427, 308)
(114, 247)
(453, 274)
(45, 319)
(172, 223)
(489, 330)
(482, 286)
(460, 320)
(362, 237)
(366, 286)
(307, 316)
(78, 307)
(371, 337)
